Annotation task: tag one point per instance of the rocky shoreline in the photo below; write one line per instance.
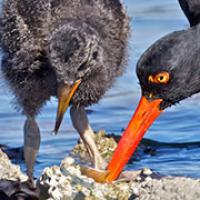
(66, 182)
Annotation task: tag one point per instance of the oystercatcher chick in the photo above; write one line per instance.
(71, 49)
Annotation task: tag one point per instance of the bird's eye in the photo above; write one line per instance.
(160, 78)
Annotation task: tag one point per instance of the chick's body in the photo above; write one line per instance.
(28, 27)
(50, 44)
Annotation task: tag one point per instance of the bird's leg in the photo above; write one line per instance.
(87, 148)
(81, 124)
(31, 144)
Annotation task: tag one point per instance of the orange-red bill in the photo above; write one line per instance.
(65, 93)
(145, 115)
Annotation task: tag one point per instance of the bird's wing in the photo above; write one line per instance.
(191, 8)
(36, 15)
(24, 22)
(24, 29)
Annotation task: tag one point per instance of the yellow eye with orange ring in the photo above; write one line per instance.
(160, 78)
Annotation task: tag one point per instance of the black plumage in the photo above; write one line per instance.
(178, 54)
(48, 45)
(191, 8)
(47, 41)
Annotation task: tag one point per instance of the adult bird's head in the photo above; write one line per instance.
(75, 52)
(168, 72)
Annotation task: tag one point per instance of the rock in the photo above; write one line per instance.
(66, 182)
(138, 185)
(9, 171)
(13, 183)
(105, 144)
(178, 188)
(146, 172)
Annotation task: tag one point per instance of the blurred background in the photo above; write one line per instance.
(172, 145)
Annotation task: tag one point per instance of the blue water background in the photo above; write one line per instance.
(179, 124)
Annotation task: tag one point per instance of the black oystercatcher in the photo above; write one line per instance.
(72, 49)
(169, 71)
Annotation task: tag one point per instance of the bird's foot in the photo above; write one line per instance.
(99, 162)
(31, 179)
(95, 157)
(31, 182)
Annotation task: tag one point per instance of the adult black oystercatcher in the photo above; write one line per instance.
(72, 49)
(169, 71)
